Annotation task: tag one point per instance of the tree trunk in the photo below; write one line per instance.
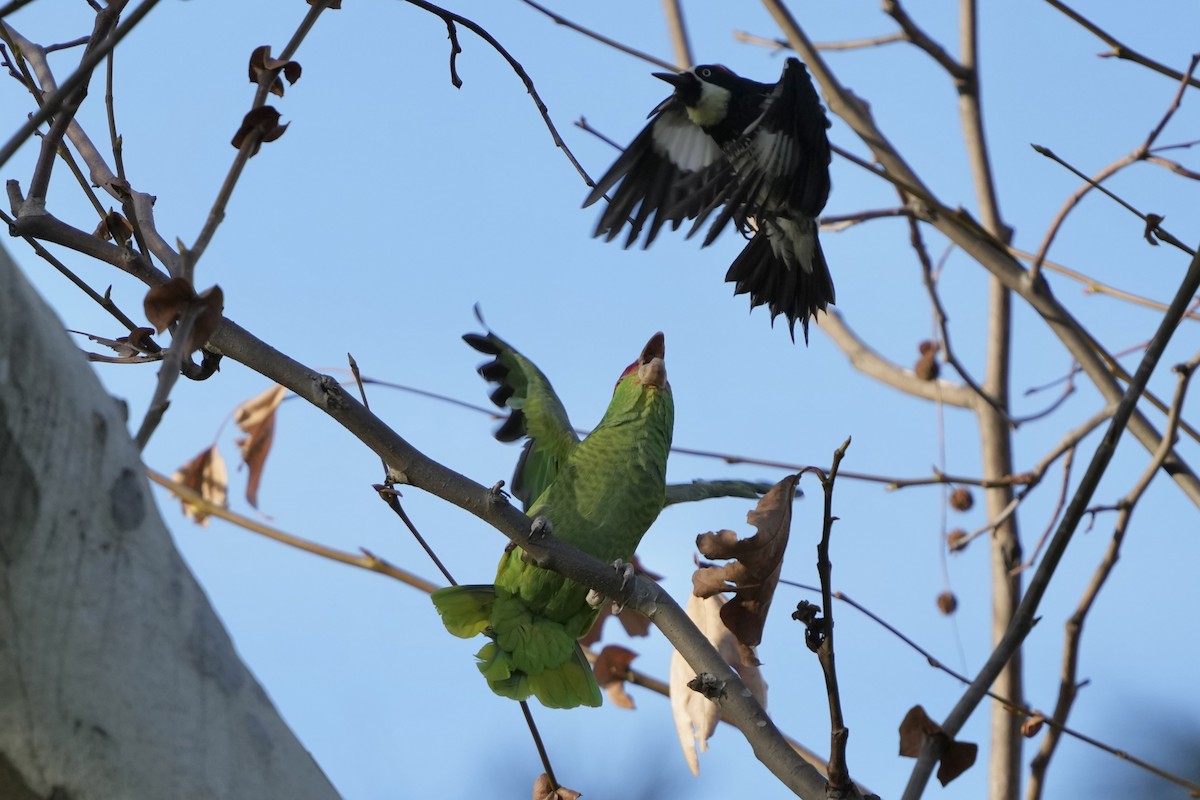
(117, 680)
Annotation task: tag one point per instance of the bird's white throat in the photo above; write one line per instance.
(713, 104)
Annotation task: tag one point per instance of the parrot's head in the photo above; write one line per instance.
(643, 395)
(650, 370)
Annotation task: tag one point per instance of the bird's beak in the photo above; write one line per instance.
(652, 370)
(676, 79)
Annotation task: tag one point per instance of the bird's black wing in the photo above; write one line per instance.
(780, 161)
(665, 175)
(795, 147)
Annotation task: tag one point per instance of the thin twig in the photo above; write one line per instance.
(104, 301)
(76, 79)
(521, 73)
(973, 240)
(561, 20)
(839, 769)
(679, 38)
(1025, 711)
(367, 561)
(1023, 619)
(1092, 286)
(850, 44)
(942, 319)
(1069, 684)
(913, 33)
(1119, 50)
(1153, 221)
(1140, 153)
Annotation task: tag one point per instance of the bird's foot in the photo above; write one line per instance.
(497, 495)
(626, 571)
(540, 527)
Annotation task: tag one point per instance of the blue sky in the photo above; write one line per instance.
(395, 202)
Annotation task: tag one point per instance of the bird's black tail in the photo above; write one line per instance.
(786, 271)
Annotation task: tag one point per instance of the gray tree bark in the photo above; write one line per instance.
(117, 679)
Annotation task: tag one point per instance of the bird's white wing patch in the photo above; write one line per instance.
(684, 143)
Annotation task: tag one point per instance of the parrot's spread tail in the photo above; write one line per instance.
(528, 655)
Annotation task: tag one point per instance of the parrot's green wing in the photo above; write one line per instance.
(534, 411)
(704, 490)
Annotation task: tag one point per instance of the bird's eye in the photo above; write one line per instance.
(705, 72)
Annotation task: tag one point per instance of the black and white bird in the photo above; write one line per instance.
(754, 153)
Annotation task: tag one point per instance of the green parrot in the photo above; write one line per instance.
(600, 494)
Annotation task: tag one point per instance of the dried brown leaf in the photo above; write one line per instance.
(256, 418)
(261, 62)
(612, 668)
(1032, 726)
(212, 306)
(263, 120)
(1152, 223)
(165, 304)
(544, 788)
(695, 715)
(207, 476)
(754, 572)
(957, 757)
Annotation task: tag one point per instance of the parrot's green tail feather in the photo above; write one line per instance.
(568, 685)
(527, 657)
(466, 610)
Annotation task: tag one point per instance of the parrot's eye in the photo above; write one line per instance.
(705, 72)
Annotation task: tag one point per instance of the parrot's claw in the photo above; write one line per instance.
(497, 495)
(539, 527)
(626, 570)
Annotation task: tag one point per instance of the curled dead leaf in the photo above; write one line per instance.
(1152, 223)
(612, 668)
(1032, 726)
(261, 63)
(207, 476)
(114, 226)
(754, 571)
(264, 121)
(957, 757)
(695, 715)
(544, 789)
(212, 307)
(256, 418)
(165, 304)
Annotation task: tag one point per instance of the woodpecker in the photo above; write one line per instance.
(754, 153)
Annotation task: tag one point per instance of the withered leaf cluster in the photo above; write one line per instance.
(957, 757)
(261, 65)
(166, 304)
(753, 572)
(207, 475)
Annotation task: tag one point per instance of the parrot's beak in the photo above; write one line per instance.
(652, 367)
